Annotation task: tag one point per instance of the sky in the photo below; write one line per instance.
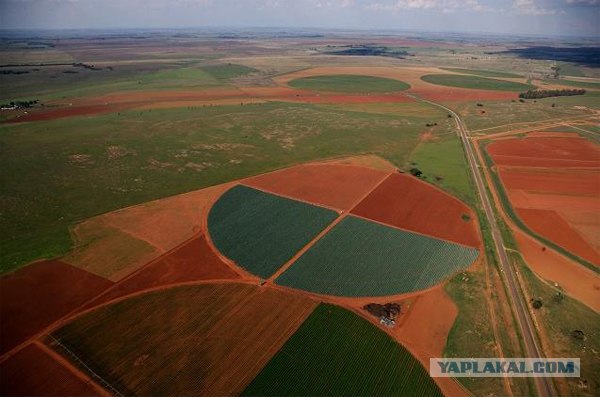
(540, 17)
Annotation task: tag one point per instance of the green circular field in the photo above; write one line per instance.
(475, 82)
(349, 83)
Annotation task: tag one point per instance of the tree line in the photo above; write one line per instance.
(537, 94)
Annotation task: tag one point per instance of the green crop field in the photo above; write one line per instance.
(475, 82)
(483, 73)
(260, 231)
(362, 258)
(574, 83)
(337, 353)
(348, 83)
(60, 172)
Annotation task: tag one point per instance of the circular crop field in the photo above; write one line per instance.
(475, 82)
(358, 252)
(349, 83)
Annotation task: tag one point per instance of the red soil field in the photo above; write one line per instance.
(33, 372)
(447, 94)
(39, 294)
(546, 152)
(62, 112)
(552, 226)
(404, 201)
(332, 185)
(577, 281)
(193, 261)
(579, 183)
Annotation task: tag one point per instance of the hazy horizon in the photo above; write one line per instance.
(554, 18)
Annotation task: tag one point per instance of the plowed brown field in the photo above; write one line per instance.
(39, 294)
(553, 182)
(33, 372)
(333, 185)
(408, 203)
(209, 339)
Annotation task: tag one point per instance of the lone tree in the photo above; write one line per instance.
(536, 303)
(416, 172)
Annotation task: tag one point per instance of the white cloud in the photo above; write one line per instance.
(445, 6)
(584, 2)
(530, 7)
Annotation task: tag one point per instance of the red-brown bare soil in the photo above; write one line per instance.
(538, 151)
(447, 94)
(577, 281)
(553, 182)
(333, 185)
(33, 372)
(551, 225)
(41, 293)
(406, 202)
(194, 260)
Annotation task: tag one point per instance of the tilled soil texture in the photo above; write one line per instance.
(209, 339)
(408, 203)
(332, 185)
(38, 295)
(33, 372)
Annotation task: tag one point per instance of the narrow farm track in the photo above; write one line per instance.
(544, 386)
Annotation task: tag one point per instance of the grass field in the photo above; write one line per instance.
(192, 340)
(573, 83)
(349, 84)
(362, 258)
(443, 163)
(337, 353)
(261, 231)
(483, 73)
(475, 82)
(60, 172)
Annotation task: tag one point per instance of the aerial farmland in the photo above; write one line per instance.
(272, 211)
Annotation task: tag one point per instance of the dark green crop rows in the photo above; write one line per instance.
(260, 231)
(349, 83)
(337, 353)
(363, 258)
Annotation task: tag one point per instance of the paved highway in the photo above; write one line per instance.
(544, 386)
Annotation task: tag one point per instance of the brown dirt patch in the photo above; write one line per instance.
(551, 225)
(406, 202)
(334, 185)
(116, 244)
(37, 295)
(194, 260)
(33, 372)
(577, 281)
(365, 160)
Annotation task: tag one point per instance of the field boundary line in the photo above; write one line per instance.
(323, 232)
(93, 374)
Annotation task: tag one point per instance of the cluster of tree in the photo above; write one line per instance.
(20, 104)
(368, 50)
(14, 71)
(430, 124)
(537, 94)
(389, 310)
(86, 66)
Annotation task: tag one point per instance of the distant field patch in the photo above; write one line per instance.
(227, 71)
(349, 83)
(337, 353)
(475, 82)
(363, 258)
(201, 340)
(261, 231)
(483, 73)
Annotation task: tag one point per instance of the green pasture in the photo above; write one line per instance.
(483, 73)
(348, 83)
(475, 82)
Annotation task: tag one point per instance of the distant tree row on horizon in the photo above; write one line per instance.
(538, 94)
